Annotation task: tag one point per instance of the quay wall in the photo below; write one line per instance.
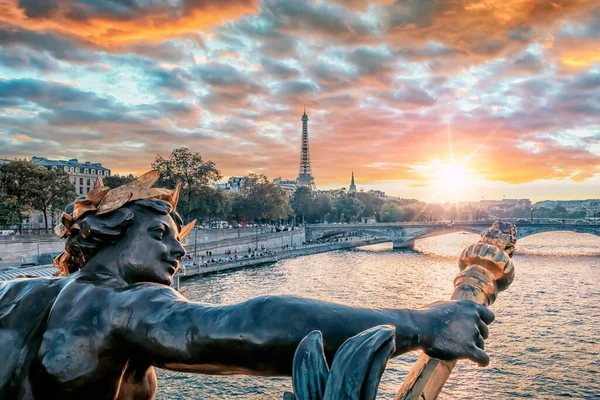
(200, 270)
(274, 241)
(17, 249)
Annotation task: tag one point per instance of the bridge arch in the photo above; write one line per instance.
(530, 230)
(441, 232)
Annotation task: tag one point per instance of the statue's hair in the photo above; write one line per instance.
(97, 231)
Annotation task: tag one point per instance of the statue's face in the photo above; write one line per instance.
(150, 251)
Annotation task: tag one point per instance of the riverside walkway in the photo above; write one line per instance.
(190, 270)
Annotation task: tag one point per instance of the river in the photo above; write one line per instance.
(544, 343)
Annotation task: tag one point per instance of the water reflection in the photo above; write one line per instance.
(543, 343)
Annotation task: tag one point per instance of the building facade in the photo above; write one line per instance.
(288, 185)
(233, 184)
(82, 174)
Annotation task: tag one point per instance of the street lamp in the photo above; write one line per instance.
(595, 220)
(532, 215)
(195, 241)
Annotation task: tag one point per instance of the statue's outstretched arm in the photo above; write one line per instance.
(260, 336)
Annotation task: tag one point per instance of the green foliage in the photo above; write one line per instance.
(26, 187)
(348, 208)
(262, 200)
(115, 181)
(209, 204)
(390, 212)
(188, 168)
(372, 204)
(322, 209)
(50, 190)
(302, 202)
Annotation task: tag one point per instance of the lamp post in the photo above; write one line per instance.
(531, 215)
(595, 220)
(195, 241)
(256, 226)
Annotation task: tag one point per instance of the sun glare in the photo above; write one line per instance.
(452, 176)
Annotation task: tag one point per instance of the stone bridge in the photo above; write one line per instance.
(405, 234)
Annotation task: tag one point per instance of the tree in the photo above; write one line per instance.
(16, 184)
(50, 189)
(348, 207)
(372, 204)
(115, 181)
(390, 212)
(322, 208)
(412, 212)
(209, 203)
(188, 168)
(302, 201)
(263, 200)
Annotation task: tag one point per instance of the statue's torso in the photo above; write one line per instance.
(60, 342)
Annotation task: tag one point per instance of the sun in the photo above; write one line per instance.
(452, 176)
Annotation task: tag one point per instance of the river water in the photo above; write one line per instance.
(544, 343)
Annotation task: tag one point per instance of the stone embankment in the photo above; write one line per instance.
(200, 270)
(25, 249)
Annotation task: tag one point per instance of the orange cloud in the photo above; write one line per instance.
(112, 31)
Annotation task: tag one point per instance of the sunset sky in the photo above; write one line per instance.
(438, 100)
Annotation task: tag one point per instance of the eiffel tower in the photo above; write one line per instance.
(305, 177)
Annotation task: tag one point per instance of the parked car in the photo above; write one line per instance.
(523, 221)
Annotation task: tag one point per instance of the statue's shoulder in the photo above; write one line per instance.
(146, 292)
(18, 290)
(25, 304)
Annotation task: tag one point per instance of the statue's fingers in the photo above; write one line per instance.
(479, 356)
(479, 342)
(486, 314)
(483, 329)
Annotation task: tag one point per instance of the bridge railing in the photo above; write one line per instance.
(518, 221)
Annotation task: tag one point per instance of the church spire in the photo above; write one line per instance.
(352, 185)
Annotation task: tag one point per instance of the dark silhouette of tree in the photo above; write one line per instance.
(50, 188)
(188, 168)
(115, 181)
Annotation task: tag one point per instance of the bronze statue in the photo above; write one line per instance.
(98, 330)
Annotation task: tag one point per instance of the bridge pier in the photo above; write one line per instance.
(403, 244)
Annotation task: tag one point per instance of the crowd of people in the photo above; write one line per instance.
(229, 255)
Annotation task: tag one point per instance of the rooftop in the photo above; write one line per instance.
(73, 162)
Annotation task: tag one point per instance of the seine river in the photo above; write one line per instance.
(544, 344)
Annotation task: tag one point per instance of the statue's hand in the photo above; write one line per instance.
(455, 329)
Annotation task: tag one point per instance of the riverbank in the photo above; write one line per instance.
(19, 250)
(201, 270)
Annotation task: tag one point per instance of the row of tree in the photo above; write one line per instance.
(261, 200)
(25, 187)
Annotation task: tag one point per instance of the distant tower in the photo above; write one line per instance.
(352, 185)
(305, 177)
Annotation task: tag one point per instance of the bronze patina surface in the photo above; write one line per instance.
(485, 268)
(98, 331)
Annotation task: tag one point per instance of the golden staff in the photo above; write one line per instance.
(486, 268)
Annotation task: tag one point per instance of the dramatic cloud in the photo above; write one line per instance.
(392, 88)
